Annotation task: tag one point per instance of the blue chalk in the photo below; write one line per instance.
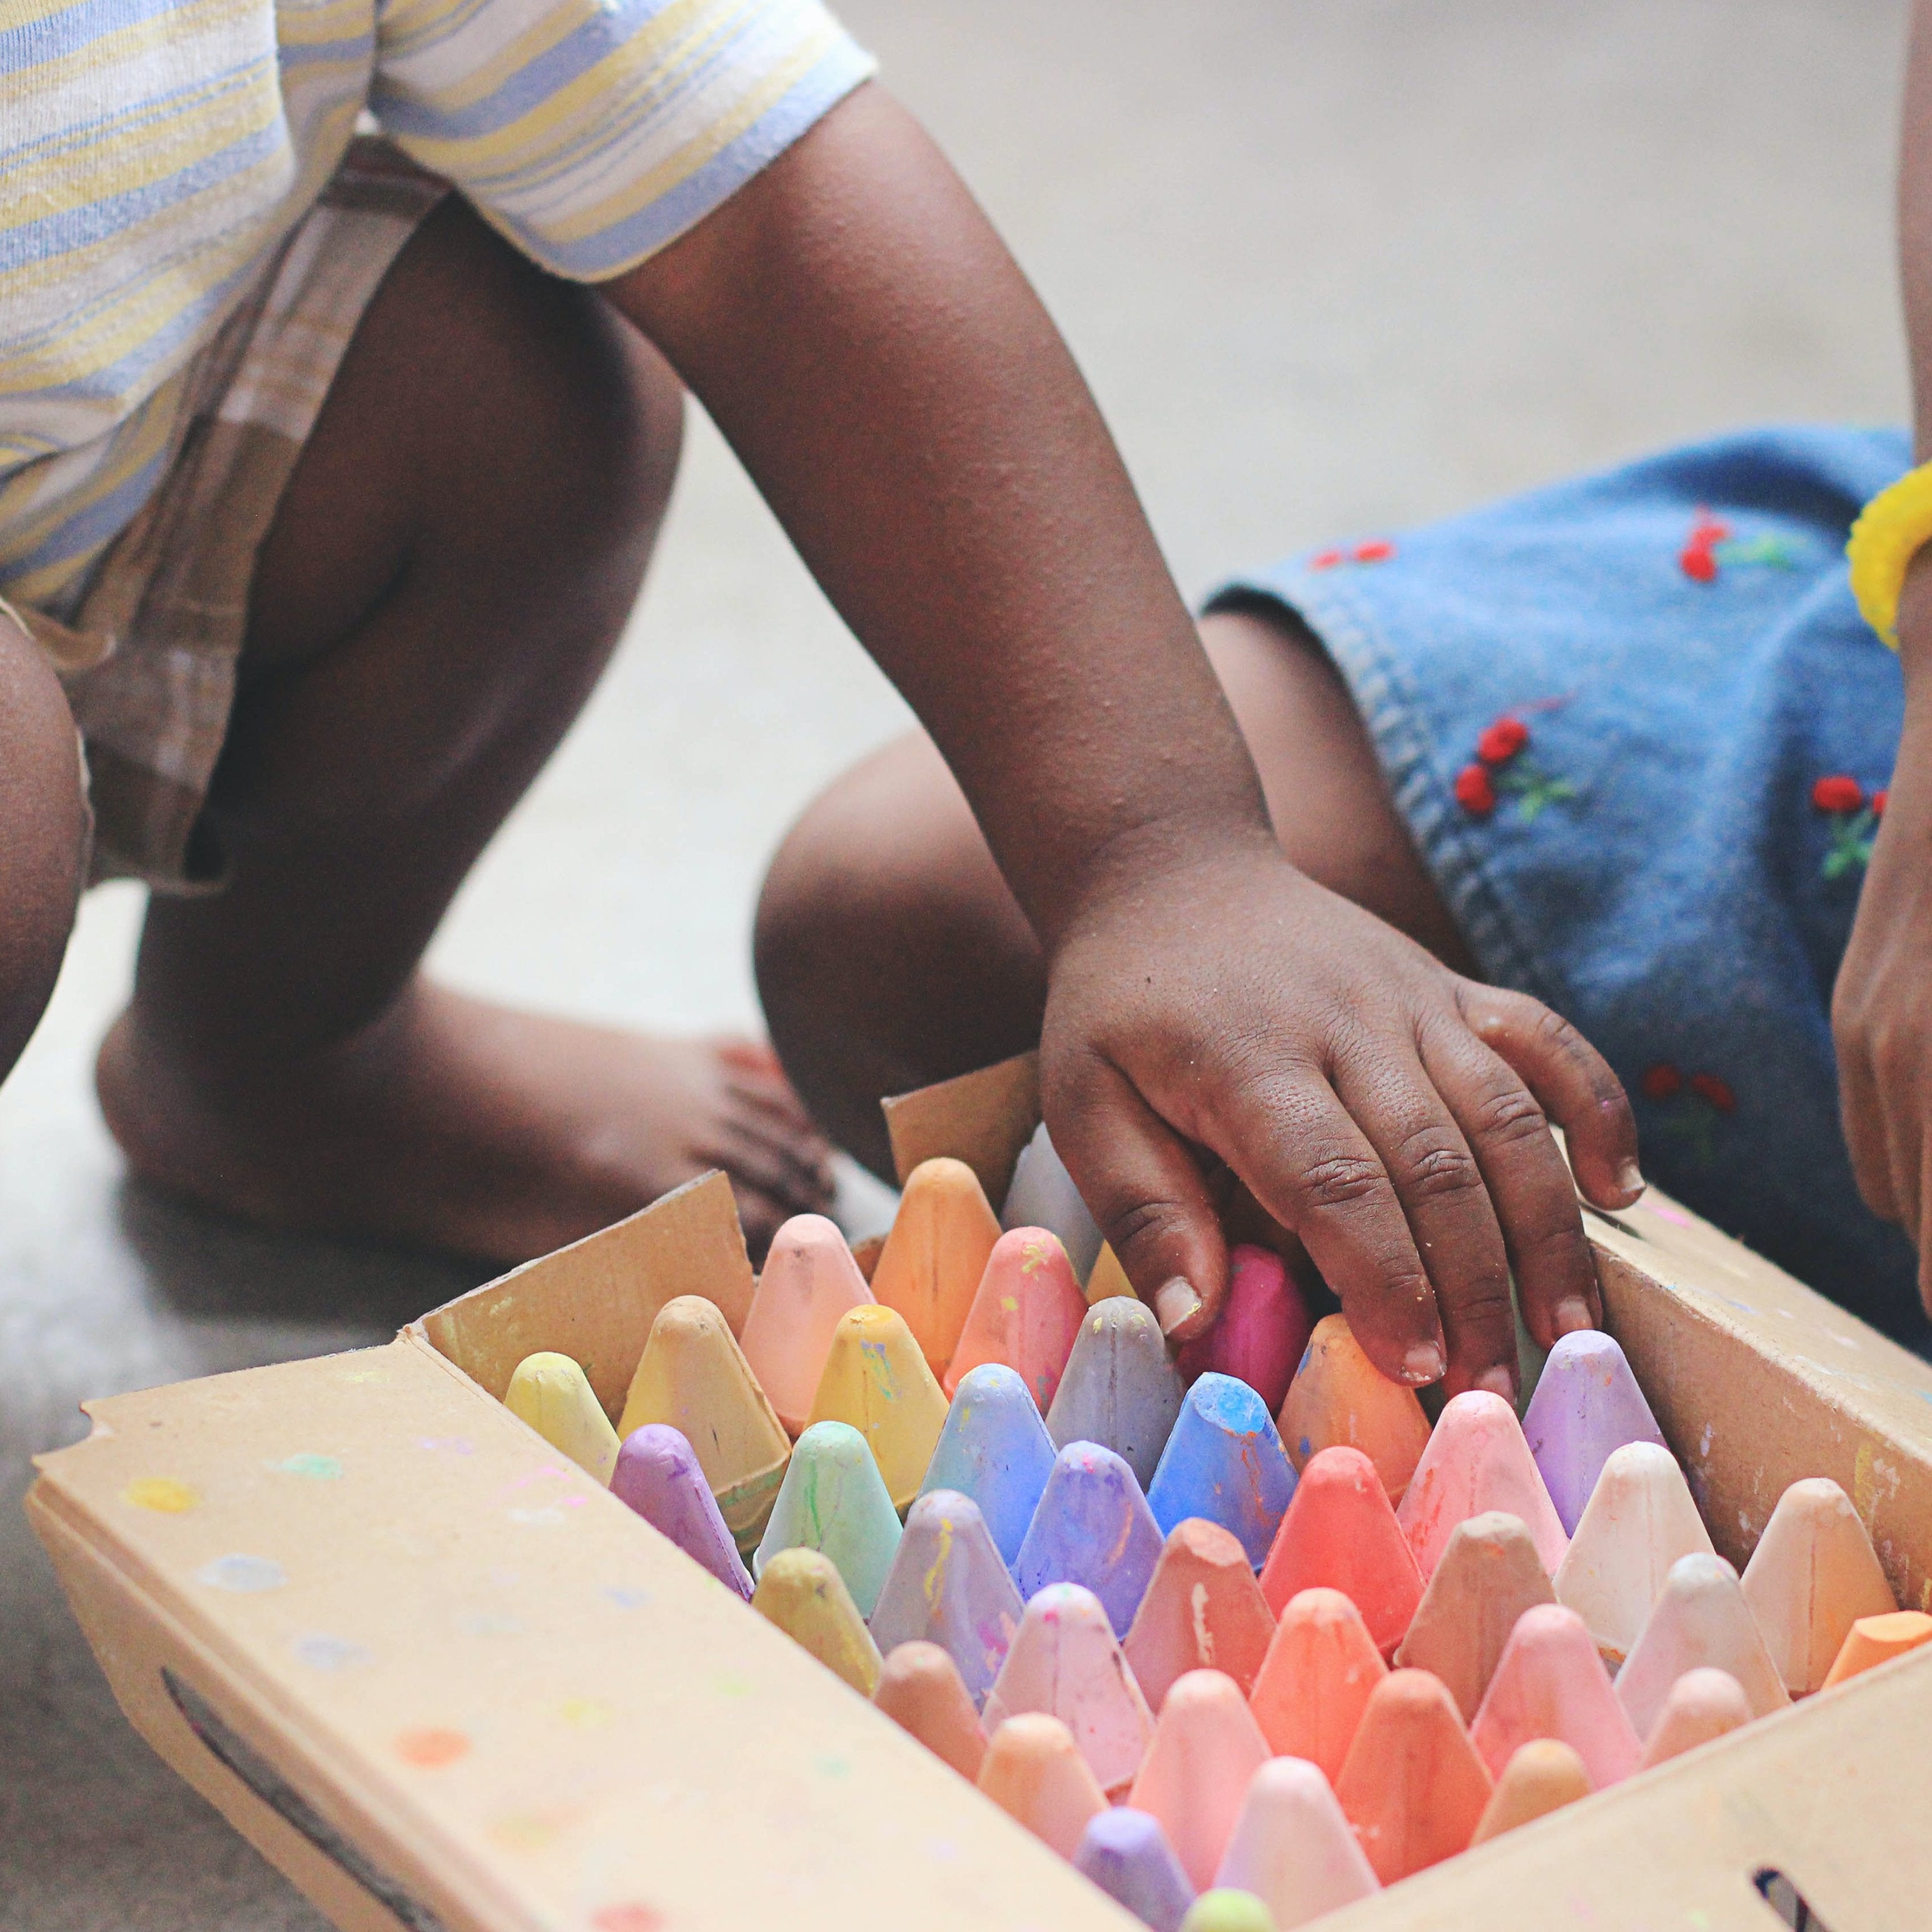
(1119, 1388)
(949, 1586)
(1225, 1462)
(995, 1449)
(1094, 1528)
(1126, 1853)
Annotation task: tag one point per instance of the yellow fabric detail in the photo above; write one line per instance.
(1890, 532)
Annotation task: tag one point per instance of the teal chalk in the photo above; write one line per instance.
(1043, 1195)
(1119, 1387)
(834, 1500)
(949, 1586)
(1225, 1462)
(1094, 1528)
(995, 1449)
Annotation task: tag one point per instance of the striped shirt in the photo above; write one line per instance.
(154, 153)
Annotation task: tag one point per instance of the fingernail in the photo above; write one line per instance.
(1424, 1363)
(1498, 1381)
(1630, 1178)
(1572, 1313)
(1174, 1302)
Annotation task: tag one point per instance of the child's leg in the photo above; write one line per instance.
(456, 554)
(43, 835)
(890, 952)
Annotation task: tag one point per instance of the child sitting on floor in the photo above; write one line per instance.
(326, 484)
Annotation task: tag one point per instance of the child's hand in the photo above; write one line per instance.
(1390, 1111)
(1882, 1006)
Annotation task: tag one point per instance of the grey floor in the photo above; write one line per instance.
(1329, 264)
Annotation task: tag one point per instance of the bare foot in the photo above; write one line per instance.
(454, 1124)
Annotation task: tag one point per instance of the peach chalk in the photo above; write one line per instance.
(1025, 1314)
(1263, 1330)
(1813, 1575)
(1701, 1618)
(810, 1279)
(1033, 1772)
(1292, 1847)
(1316, 1680)
(1339, 1399)
(1203, 1611)
(929, 1269)
(1065, 1661)
(1340, 1534)
(1875, 1640)
(553, 1396)
(921, 1690)
(802, 1592)
(1477, 1459)
(1703, 1704)
(1207, 1747)
(1490, 1574)
(1413, 1787)
(1640, 1518)
(876, 1379)
(1551, 1683)
(1542, 1776)
(694, 1375)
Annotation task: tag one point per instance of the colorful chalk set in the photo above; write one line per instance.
(1245, 1642)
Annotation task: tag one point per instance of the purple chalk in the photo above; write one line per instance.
(1126, 1853)
(1092, 1527)
(1587, 1406)
(658, 1474)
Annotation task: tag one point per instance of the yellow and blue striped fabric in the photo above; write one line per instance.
(153, 153)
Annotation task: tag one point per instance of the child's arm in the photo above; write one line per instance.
(1882, 1005)
(905, 403)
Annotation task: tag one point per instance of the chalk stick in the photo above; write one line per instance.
(659, 1475)
(802, 1592)
(1477, 1459)
(920, 1689)
(949, 1586)
(552, 1394)
(877, 1380)
(930, 1267)
(1413, 1787)
(1316, 1679)
(1339, 1398)
(809, 1280)
(1043, 1195)
(1586, 1406)
(1035, 1773)
(1551, 1683)
(1703, 1704)
(1542, 1775)
(1203, 1610)
(1813, 1575)
(1701, 1618)
(1225, 1462)
(1263, 1329)
(1206, 1748)
(1292, 1847)
(1025, 1313)
(1226, 1909)
(834, 1499)
(1126, 1853)
(1092, 1527)
(1875, 1640)
(1120, 1388)
(995, 1449)
(1490, 1574)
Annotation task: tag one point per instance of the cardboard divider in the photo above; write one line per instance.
(446, 1682)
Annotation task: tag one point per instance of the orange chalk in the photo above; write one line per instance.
(1413, 1786)
(1203, 1611)
(930, 1267)
(920, 1689)
(1490, 1574)
(1026, 1313)
(1551, 1683)
(1339, 1397)
(694, 1376)
(810, 1280)
(1206, 1747)
(1703, 1704)
(876, 1379)
(1813, 1575)
(1034, 1772)
(1108, 1278)
(1316, 1680)
(1339, 1534)
(1541, 1776)
(1477, 1460)
(1875, 1640)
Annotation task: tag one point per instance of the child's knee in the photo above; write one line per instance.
(44, 829)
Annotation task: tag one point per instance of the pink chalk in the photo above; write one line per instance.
(1264, 1328)
(1477, 1459)
(1207, 1747)
(1550, 1683)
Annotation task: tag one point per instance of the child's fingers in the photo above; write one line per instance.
(1306, 1162)
(1535, 1198)
(1862, 1111)
(1570, 1079)
(1439, 1182)
(1148, 1194)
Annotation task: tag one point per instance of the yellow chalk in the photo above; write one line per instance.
(876, 1379)
(802, 1592)
(552, 1394)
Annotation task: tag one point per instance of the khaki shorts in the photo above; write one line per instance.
(149, 659)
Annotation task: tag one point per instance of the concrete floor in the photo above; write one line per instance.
(1329, 264)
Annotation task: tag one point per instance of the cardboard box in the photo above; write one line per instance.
(446, 1683)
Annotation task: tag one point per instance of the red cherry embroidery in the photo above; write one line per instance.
(1664, 1081)
(1698, 558)
(1378, 551)
(1717, 1091)
(1502, 741)
(1325, 560)
(1878, 799)
(1475, 792)
(1837, 792)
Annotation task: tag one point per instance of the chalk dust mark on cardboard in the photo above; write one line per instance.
(628, 1918)
(431, 1747)
(317, 1468)
(161, 1494)
(321, 1651)
(245, 1575)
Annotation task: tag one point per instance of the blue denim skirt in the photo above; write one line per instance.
(1642, 738)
